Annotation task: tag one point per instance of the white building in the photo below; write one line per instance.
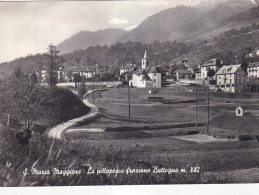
(253, 70)
(253, 54)
(212, 64)
(127, 68)
(59, 74)
(183, 74)
(231, 78)
(147, 77)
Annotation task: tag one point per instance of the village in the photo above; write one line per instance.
(129, 93)
(212, 74)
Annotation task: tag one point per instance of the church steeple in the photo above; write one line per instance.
(145, 61)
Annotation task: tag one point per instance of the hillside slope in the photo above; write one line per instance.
(85, 39)
(182, 23)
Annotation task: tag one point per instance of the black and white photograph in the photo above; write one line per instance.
(137, 92)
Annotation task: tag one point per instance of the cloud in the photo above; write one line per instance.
(129, 28)
(118, 21)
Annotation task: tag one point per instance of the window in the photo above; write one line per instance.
(154, 75)
(219, 78)
(230, 80)
(154, 80)
(239, 111)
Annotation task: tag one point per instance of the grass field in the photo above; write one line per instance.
(161, 146)
(166, 107)
(150, 137)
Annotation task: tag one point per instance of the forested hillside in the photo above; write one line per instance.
(85, 39)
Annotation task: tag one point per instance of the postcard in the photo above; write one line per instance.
(96, 93)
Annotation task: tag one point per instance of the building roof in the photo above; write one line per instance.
(147, 71)
(153, 70)
(183, 71)
(140, 71)
(128, 66)
(231, 69)
(255, 64)
(146, 78)
(162, 69)
(211, 62)
(197, 70)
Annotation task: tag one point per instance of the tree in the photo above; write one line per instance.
(77, 79)
(20, 98)
(211, 73)
(82, 90)
(53, 64)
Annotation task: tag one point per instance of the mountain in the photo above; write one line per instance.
(182, 23)
(226, 30)
(85, 39)
(208, 4)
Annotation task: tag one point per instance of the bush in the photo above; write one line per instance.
(245, 137)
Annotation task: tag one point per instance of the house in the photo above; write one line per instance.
(253, 70)
(60, 74)
(127, 68)
(197, 72)
(87, 71)
(212, 64)
(255, 53)
(231, 78)
(44, 75)
(183, 74)
(58, 71)
(146, 77)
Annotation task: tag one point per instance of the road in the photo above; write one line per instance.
(56, 132)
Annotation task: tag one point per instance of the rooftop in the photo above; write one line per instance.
(211, 62)
(147, 70)
(183, 71)
(255, 64)
(228, 69)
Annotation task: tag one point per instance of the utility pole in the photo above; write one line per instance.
(208, 122)
(129, 96)
(93, 88)
(196, 112)
(8, 119)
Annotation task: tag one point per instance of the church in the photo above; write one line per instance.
(146, 77)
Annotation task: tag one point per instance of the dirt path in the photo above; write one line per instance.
(56, 132)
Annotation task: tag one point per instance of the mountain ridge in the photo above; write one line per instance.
(85, 39)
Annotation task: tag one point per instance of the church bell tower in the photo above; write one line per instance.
(145, 61)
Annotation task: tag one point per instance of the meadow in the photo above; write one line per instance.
(163, 110)
(150, 138)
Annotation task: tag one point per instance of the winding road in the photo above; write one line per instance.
(56, 132)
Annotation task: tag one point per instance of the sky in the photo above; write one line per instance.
(27, 28)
